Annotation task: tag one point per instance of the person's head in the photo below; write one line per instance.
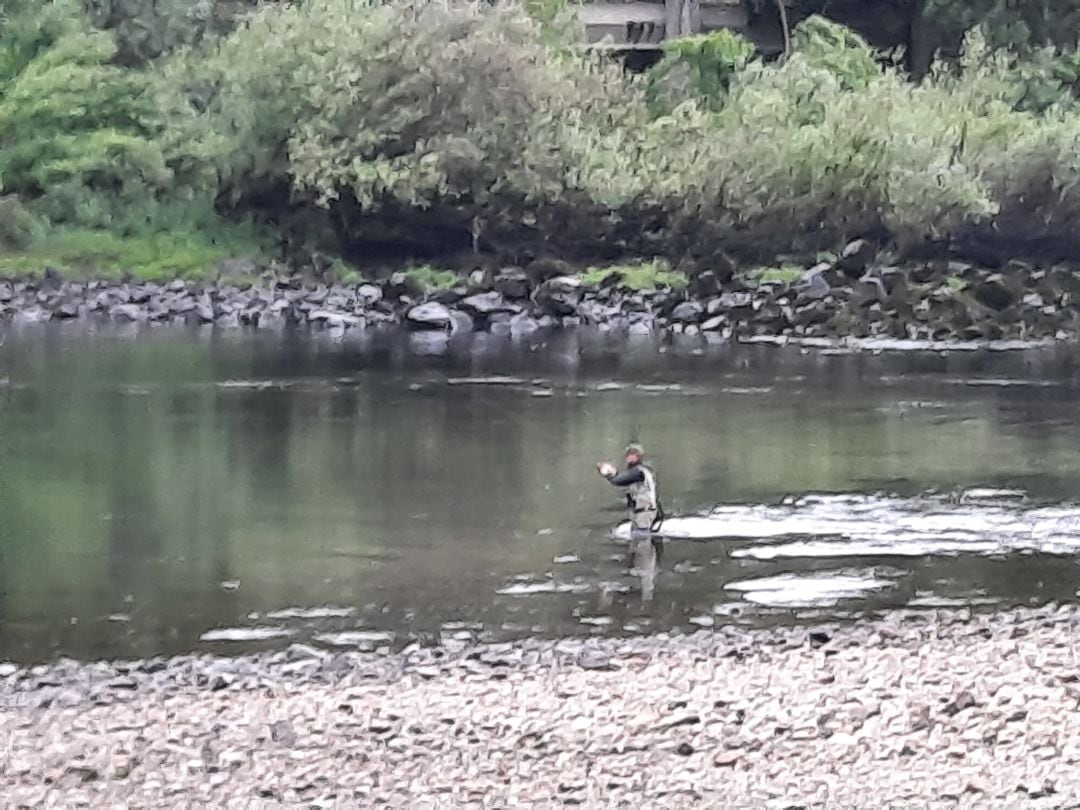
(635, 454)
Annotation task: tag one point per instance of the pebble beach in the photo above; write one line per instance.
(932, 709)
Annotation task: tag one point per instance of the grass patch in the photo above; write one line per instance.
(644, 276)
(784, 274)
(956, 284)
(433, 279)
(150, 257)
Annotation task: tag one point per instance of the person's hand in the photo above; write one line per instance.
(606, 468)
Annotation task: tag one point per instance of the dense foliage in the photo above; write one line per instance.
(337, 123)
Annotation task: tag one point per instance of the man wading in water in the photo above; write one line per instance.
(646, 514)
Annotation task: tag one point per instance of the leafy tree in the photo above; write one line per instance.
(1020, 26)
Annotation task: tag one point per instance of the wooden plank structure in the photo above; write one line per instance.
(643, 25)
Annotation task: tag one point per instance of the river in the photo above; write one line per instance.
(166, 492)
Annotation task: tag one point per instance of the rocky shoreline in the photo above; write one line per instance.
(853, 297)
(931, 708)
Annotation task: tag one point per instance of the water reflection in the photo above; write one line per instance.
(365, 488)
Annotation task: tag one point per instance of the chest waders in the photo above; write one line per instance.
(644, 500)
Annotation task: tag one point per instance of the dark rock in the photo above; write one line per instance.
(513, 284)
(704, 285)
(812, 286)
(963, 700)
(559, 297)
(282, 733)
(595, 659)
(460, 322)
(84, 773)
(684, 749)
(818, 638)
(51, 279)
(140, 295)
(449, 297)
(543, 269)
(431, 315)
(856, 256)
(220, 681)
(688, 312)
(402, 285)
(994, 293)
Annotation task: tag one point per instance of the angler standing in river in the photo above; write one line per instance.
(646, 513)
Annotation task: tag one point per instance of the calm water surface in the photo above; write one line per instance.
(172, 492)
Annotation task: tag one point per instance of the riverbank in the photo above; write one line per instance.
(938, 709)
(850, 298)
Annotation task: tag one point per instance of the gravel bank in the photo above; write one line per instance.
(913, 710)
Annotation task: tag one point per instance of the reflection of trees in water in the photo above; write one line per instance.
(205, 484)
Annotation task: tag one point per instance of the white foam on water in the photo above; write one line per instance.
(898, 344)
(354, 638)
(325, 612)
(1002, 382)
(980, 520)
(548, 586)
(495, 380)
(808, 590)
(245, 634)
(596, 621)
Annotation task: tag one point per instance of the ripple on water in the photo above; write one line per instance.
(325, 612)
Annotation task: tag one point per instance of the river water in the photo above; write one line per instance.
(166, 492)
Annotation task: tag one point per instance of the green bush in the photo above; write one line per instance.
(341, 120)
(73, 125)
(699, 67)
(18, 227)
(833, 47)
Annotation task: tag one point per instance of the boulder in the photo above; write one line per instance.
(704, 284)
(856, 256)
(334, 319)
(484, 304)
(812, 286)
(369, 294)
(688, 312)
(431, 315)
(513, 284)
(128, 312)
(994, 293)
(523, 325)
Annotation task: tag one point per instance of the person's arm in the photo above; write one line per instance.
(634, 475)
